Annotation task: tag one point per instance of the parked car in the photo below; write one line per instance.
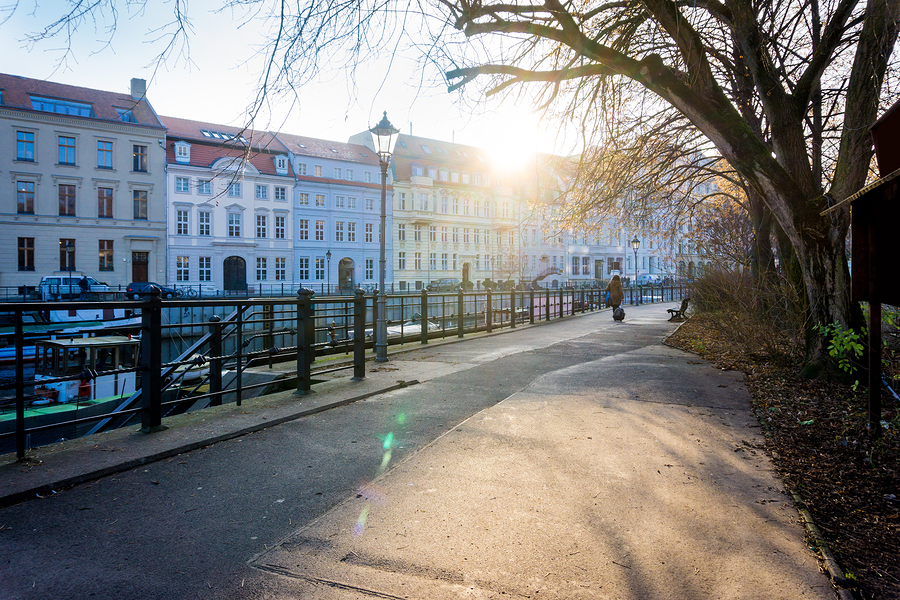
(443, 285)
(59, 287)
(137, 289)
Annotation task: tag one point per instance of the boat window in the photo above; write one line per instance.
(77, 359)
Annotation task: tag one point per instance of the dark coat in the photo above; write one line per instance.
(616, 293)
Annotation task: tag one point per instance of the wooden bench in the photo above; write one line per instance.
(678, 313)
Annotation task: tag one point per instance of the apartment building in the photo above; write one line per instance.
(85, 184)
(337, 214)
(230, 208)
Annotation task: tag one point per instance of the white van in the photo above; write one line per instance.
(646, 279)
(60, 287)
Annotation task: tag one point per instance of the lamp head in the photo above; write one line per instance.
(384, 137)
(328, 255)
(635, 243)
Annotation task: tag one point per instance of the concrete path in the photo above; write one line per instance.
(607, 466)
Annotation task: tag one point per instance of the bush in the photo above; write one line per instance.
(763, 317)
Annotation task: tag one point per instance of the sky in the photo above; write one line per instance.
(218, 81)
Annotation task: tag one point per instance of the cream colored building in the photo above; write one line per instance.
(84, 189)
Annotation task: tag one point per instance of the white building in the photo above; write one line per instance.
(337, 212)
(85, 184)
(230, 209)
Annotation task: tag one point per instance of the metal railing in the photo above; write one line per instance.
(199, 353)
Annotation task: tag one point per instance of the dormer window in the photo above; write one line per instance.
(126, 115)
(281, 164)
(182, 152)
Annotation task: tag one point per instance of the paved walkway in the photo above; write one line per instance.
(620, 468)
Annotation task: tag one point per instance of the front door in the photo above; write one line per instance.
(235, 272)
(140, 266)
(345, 275)
(465, 272)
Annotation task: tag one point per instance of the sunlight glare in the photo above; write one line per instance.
(510, 137)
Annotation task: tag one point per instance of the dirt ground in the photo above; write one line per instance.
(818, 437)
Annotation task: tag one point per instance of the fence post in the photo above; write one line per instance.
(306, 338)
(215, 364)
(151, 358)
(359, 335)
(489, 312)
(374, 314)
(423, 313)
(562, 302)
(459, 312)
(20, 387)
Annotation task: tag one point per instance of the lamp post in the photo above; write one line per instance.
(635, 244)
(384, 136)
(70, 251)
(328, 265)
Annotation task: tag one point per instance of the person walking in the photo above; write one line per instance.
(615, 295)
(85, 286)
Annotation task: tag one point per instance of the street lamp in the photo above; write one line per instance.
(384, 136)
(328, 259)
(635, 244)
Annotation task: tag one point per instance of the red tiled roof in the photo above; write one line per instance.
(307, 146)
(17, 92)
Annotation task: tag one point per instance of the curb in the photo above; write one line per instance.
(51, 488)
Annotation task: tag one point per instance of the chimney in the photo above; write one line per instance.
(138, 88)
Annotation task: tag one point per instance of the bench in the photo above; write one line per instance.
(678, 313)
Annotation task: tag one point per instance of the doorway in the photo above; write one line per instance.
(235, 273)
(345, 275)
(465, 271)
(140, 266)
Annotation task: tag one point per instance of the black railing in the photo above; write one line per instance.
(197, 353)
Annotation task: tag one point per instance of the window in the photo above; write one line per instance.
(339, 202)
(301, 168)
(182, 224)
(303, 199)
(261, 271)
(369, 232)
(262, 223)
(443, 234)
(423, 201)
(432, 261)
(140, 204)
(303, 268)
(66, 200)
(432, 234)
(104, 155)
(320, 231)
(477, 234)
(25, 145)
(444, 261)
(320, 268)
(576, 262)
(66, 150)
(349, 174)
(25, 197)
(454, 177)
(279, 227)
(455, 205)
(417, 233)
(281, 165)
(456, 236)
(26, 254)
(317, 170)
(418, 261)
(370, 268)
(139, 156)
(351, 203)
(280, 269)
(126, 116)
(234, 225)
(465, 178)
(444, 205)
(401, 232)
(182, 268)
(351, 231)
(466, 235)
(432, 172)
(204, 186)
(66, 258)
(417, 170)
(337, 172)
(320, 200)
(585, 265)
(339, 231)
(234, 190)
(281, 194)
(204, 218)
(182, 152)
(368, 177)
(370, 204)
(204, 268)
(62, 107)
(477, 262)
(402, 201)
(303, 232)
(454, 262)
(182, 184)
(262, 192)
(401, 260)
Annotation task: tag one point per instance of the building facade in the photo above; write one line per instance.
(337, 212)
(85, 184)
(230, 209)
